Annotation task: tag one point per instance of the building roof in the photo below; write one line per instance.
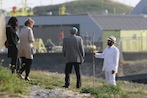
(120, 22)
(104, 22)
(53, 20)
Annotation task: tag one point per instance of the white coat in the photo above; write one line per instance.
(111, 58)
(26, 40)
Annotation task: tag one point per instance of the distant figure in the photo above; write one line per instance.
(111, 60)
(12, 39)
(74, 53)
(25, 48)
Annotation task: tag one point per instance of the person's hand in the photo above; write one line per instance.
(93, 53)
(113, 71)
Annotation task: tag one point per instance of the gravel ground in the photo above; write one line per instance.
(37, 92)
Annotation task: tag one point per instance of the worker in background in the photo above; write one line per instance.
(111, 60)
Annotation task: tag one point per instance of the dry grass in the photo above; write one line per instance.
(56, 80)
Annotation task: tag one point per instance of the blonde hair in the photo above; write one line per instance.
(29, 21)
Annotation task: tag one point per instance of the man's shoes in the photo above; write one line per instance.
(78, 86)
(65, 86)
(27, 79)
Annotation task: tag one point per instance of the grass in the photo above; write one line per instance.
(100, 89)
(84, 6)
(11, 85)
(46, 80)
(106, 91)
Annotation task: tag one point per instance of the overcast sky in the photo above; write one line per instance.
(129, 2)
(8, 4)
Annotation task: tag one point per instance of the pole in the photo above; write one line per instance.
(93, 61)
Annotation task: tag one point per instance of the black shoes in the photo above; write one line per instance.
(21, 76)
(78, 86)
(65, 86)
(68, 87)
(27, 79)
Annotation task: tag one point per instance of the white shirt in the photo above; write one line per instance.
(111, 58)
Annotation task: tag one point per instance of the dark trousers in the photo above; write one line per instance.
(14, 60)
(68, 70)
(13, 54)
(18, 65)
(13, 63)
(26, 66)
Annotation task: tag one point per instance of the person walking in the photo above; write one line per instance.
(25, 48)
(12, 42)
(111, 60)
(74, 54)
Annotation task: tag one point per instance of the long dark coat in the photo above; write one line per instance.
(13, 41)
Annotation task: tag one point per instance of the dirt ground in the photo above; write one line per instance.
(37, 92)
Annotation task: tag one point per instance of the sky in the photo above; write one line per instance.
(132, 3)
(8, 4)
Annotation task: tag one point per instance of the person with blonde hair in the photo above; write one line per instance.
(25, 48)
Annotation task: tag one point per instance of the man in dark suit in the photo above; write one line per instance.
(74, 53)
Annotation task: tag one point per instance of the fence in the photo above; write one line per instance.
(134, 44)
(54, 62)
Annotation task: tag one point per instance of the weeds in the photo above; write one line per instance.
(10, 83)
(105, 91)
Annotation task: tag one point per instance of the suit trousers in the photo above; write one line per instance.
(110, 78)
(68, 70)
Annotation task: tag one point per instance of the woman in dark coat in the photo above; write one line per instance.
(12, 39)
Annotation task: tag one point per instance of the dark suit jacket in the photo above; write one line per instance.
(13, 41)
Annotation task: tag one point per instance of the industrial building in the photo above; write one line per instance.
(93, 26)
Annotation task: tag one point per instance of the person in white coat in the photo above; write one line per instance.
(111, 60)
(25, 47)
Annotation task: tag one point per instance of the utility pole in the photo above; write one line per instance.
(40, 2)
(93, 61)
